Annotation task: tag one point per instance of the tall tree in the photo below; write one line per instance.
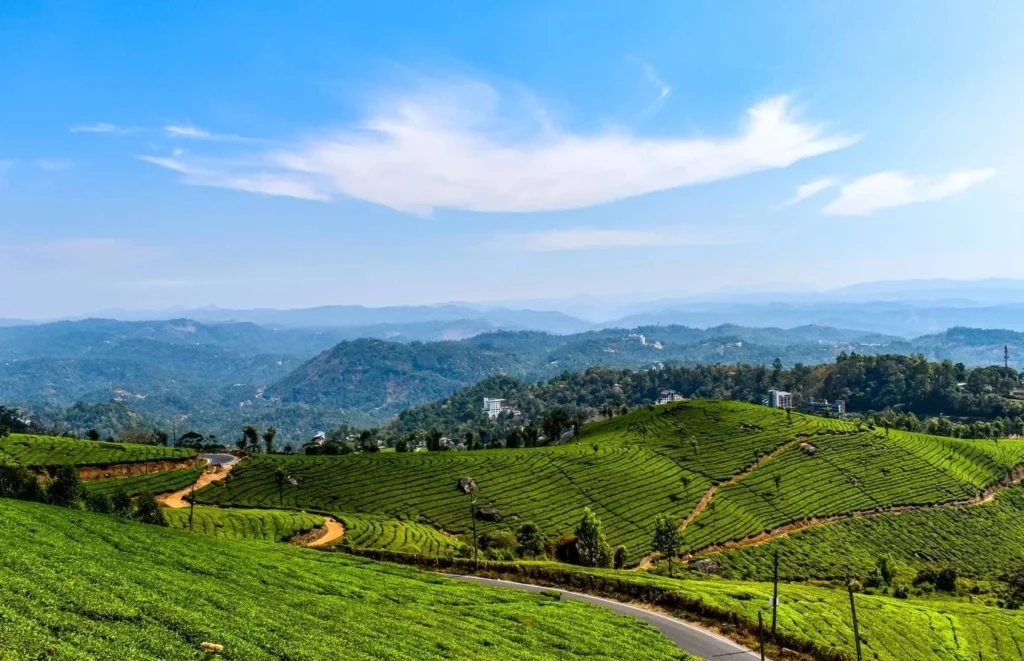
(251, 436)
(268, 439)
(666, 539)
(590, 543)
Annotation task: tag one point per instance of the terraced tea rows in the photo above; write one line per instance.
(981, 541)
(88, 586)
(378, 532)
(851, 473)
(627, 485)
(628, 469)
(263, 525)
(154, 483)
(891, 629)
(42, 451)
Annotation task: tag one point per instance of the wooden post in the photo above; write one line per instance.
(760, 632)
(853, 611)
(775, 594)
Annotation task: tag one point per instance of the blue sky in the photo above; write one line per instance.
(298, 154)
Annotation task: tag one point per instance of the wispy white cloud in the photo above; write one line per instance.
(654, 107)
(885, 190)
(589, 239)
(806, 190)
(452, 148)
(103, 127)
(52, 164)
(190, 132)
(265, 183)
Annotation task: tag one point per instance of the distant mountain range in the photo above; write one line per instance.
(903, 308)
(216, 377)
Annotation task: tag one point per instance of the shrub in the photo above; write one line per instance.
(497, 540)
(66, 489)
(148, 511)
(531, 540)
(620, 557)
(98, 501)
(18, 482)
(564, 549)
(942, 579)
(121, 502)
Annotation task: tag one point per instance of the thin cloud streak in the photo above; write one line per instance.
(807, 190)
(886, 190)
(590, 239)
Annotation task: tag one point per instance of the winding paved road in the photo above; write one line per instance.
(686, 636)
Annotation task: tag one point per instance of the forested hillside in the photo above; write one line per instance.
(107, 375)
(906, 388)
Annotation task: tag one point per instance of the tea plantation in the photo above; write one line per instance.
(982, 542)
(75, 585)
(653, 461)
(850, 473)
(380, 532)
(155, 483)
(42, 451)
(891, 629)
(265, 525)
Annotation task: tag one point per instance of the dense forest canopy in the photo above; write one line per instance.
(896, 384)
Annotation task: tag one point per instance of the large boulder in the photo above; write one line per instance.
(467, 485)
(707, 566)
(489, 514)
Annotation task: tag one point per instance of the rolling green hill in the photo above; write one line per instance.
(933, 629)
(629, 469)
(982, 542)
(42, 451)
(75, 585)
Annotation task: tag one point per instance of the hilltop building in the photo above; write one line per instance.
(665, 396)
(780, 399)
(825, 407)
(493, 407)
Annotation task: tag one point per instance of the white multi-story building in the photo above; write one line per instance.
(666, 396)
(780, 399)
(493, 407)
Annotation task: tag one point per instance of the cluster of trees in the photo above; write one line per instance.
(67, 490)
(910, 391)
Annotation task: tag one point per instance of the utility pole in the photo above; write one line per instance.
(760, 632)
(191, 505)
(775, 594)
(472, 513)
(853, 611)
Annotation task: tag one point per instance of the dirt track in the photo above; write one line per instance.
(213, 473)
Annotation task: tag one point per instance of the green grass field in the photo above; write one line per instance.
(75, 585)
(891, 629)
(982, 542)
(43, 451)
(368, 531)
(154, 483)
(631, 468)
(264, 525)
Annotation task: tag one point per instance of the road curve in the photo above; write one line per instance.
(686, 636)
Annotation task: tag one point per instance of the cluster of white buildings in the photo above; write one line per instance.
(780, 399)
(666, 395)
(494, 407)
